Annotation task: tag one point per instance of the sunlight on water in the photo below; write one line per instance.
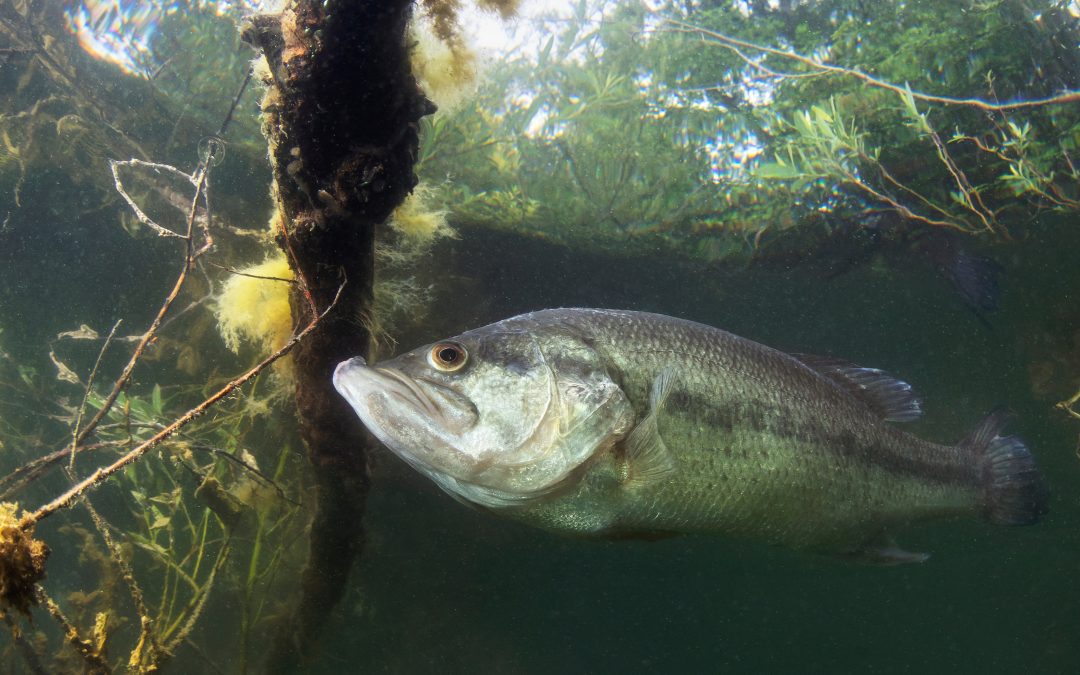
(119, 32)
(122, 31)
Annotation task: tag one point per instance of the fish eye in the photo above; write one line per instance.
(447, 356)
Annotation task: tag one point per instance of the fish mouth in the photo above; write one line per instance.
(380, 394)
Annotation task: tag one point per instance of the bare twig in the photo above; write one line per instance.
(202, 173)
(1069, 405)
(253, 470)
(67, 498)
(973, 201)
(95, 664)
(236, 101)
(233, 270)
(86, 395)
(27, 473)
(115, 166)
(897, 206)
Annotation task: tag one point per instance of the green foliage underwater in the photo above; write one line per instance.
(893, 183)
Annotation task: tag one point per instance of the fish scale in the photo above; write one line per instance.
(612, 423)
(764, 483)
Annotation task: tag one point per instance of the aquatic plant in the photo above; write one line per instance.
(187, 545)
(22, 561)
(197, 495)
(253, 306)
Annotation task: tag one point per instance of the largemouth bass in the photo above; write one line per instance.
(627, 424)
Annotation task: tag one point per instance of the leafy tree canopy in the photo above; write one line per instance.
(719, 128)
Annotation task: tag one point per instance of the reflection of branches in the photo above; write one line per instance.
(735, 45)
(572, 163)
(829, 141)
(22, 28)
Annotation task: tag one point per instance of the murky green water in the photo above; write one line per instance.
(591, 170)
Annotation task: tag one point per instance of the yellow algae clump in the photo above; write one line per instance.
(442, 61)
(22, 561)
(253, 306)
(445, 68)
(417, 221)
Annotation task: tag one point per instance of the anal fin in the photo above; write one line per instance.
(884, 552)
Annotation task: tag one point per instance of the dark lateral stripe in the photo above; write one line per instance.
(770, 421)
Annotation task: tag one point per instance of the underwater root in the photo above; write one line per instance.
(22, 561)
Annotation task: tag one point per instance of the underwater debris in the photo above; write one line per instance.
(22, 561)
(219, 500)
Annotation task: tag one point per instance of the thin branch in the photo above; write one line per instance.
(914, 193)
(973, 201)
(1069, 405)
(236, 101)
(115, 165)
(253, 470)
(29, 472)
(95, 664)
(65, 500)
(189, 257)
(233, 270)
(1070, 96)
(86, 394)
(146, 636)
(897, 206)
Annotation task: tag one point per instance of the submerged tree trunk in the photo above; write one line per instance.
(340, 116)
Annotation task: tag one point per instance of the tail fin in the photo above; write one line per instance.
(1014, 492)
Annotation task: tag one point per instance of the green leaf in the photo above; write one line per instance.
(545, 53)
(155, 400)
(821, 115)
(776, 171)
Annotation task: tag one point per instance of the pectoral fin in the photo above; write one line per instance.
(647, 458)
(883, 551)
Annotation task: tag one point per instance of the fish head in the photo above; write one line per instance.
(498, 416)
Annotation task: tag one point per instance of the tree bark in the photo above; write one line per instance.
(340, 116)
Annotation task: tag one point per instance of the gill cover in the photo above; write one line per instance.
(517, 422)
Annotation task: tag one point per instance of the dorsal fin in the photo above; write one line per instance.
(887, 396)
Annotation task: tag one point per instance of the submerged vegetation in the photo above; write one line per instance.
(722, 133)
